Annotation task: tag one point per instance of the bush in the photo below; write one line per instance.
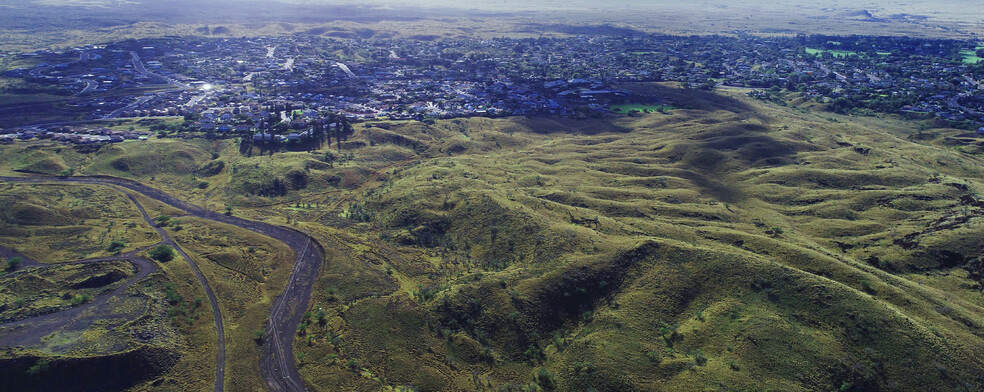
(654, 357)
(162, 253)
(163, 220)
(171, 293)
(211, 168)
(39, 367)
(115, 246)
(866, 287)
(545, 379)
(699, 358)
(13, 263)
(81, 299)
(297, 179)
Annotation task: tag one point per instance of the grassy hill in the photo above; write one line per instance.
(730, 244)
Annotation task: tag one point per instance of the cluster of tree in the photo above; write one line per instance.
(284, 119)
(849, 104)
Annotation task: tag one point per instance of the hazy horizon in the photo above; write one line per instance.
(23, 20)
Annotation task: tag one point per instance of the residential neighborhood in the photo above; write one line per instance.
(227, 86)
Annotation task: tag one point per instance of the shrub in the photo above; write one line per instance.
(866, 287)
(81, 299)
(13, 263)
(171, 293)
(115, 246)
(212, 168)
(297, 179)
(544, 379)
(699, 357)
(162, 253)
(40, 366)
(163, 220)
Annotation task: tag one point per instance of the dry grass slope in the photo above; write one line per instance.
(729, 244)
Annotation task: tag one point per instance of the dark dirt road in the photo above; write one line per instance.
(277, 359)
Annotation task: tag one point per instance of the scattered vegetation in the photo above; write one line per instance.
(704, 247)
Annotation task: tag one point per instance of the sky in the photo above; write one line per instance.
(715, 16)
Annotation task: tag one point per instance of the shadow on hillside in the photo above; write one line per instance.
(588, 126)
(691, 99)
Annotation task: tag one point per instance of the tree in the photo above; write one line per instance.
(162, 253)
(329, 159)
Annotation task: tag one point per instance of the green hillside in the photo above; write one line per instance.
(730, 244)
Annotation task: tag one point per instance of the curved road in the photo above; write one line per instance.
(30, 331)
(216, 313)
(277, 360)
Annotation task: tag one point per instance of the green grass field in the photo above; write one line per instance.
(970, 56)
(53, 224)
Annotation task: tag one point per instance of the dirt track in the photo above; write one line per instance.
(277, 359)
(30, 331)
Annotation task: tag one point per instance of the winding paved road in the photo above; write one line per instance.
(277, 359)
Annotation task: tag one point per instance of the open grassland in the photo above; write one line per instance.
(186, 310)
(716, 245)
(46, 290)
(246, 271)
(970, 56)
(57, 223)
(729, 243)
